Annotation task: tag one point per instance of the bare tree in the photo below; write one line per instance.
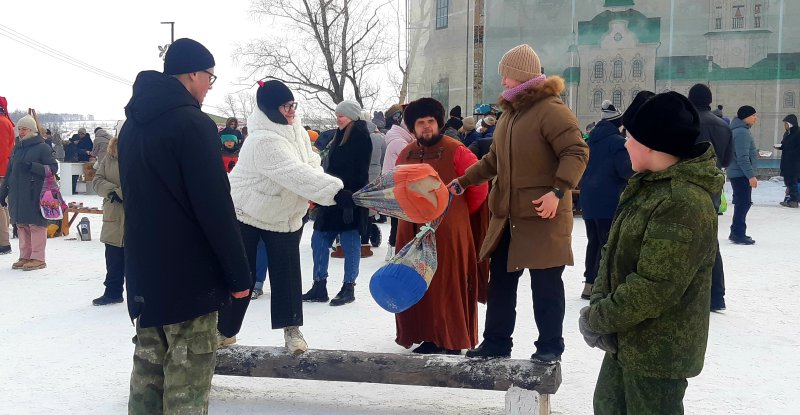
(331, 48)
(238, 105)
(408, 41)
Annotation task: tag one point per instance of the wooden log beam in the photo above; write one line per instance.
(389, 368)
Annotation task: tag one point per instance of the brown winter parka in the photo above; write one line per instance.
(537, 146)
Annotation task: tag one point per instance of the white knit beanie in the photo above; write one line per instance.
(29, 123)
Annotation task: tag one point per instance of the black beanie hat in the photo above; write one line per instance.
(745, 111)
(185, 56)
(666, 122)
(700, 96)
(423, 107)
(456, 111)
(271, 95)
(791, 119)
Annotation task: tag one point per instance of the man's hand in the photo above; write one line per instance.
(241, 294)
(605, 342)
(548, 204)
(455, 188)
(753, 182)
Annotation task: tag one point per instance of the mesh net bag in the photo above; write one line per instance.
(411, 192)
(403, 281)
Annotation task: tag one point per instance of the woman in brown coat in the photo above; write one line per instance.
(538, 155)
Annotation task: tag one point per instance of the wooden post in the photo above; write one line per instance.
(389, 368)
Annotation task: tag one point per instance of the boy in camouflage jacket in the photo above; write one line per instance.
(649, 304)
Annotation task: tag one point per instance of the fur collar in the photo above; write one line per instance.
(551, 87)
(259, 124)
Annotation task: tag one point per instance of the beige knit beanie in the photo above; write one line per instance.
(29, 123)
(520, 64)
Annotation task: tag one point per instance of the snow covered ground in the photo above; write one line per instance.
(61, 355)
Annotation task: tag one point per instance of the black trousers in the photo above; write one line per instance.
(286, 290)
(597, 232)
(115, 271)
(393, 232)
(791, 188)
(717, 281)
(501, 306)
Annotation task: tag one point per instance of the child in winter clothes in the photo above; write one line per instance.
(650, 301)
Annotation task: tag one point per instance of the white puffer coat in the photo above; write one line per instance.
(277, 174)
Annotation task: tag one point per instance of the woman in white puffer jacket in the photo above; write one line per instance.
(271, 185)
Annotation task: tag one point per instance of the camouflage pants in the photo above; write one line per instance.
(173, 366)
(619, 393)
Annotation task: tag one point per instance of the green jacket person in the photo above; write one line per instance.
(649, 304)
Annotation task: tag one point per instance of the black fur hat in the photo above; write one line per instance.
(423, 107)
(271, 95)
(666, 122)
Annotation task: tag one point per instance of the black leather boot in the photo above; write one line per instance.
(346, 295)
(318, 292)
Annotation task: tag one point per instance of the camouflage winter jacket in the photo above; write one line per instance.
(653, 288)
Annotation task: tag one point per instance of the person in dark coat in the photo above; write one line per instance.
(348, 159)
(606, 175)
(83, 145)
(717, 132)
(184, 253)
(231, 125)
(468, 133)
(20, 192)
(790, 159)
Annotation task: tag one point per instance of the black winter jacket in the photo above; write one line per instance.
(790, 153)
(22, 186)
(183, 251)
(350, 163)
(715, 131)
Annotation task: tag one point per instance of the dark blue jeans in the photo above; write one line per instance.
(597, 233)
(741, 205)
(321, 242)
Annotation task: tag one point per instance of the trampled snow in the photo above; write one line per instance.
(61, 355)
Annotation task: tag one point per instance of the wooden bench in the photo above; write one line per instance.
(67, 223)
(528, 385)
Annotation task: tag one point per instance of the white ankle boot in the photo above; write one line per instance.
(295, 343)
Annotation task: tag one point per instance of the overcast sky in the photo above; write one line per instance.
(120, 37)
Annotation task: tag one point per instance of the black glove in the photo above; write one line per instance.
(347, 216)
(344, 199)
(114, 197)
(3, 202)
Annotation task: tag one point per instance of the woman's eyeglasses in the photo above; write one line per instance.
(289, 107)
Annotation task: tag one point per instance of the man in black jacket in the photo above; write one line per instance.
(715, 131)
(184, 254)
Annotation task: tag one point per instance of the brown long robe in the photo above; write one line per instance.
(447, 314)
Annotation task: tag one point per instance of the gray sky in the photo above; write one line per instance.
(120, 37)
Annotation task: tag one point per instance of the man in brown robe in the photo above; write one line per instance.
(445, 320)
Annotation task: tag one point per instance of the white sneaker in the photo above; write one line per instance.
(295, 343)
(389, 253)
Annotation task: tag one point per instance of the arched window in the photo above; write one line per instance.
(633, 94)
(617, 69)
(616, 99)
(788, 100)
(636, 70)
(599, 70)
(597, 99)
